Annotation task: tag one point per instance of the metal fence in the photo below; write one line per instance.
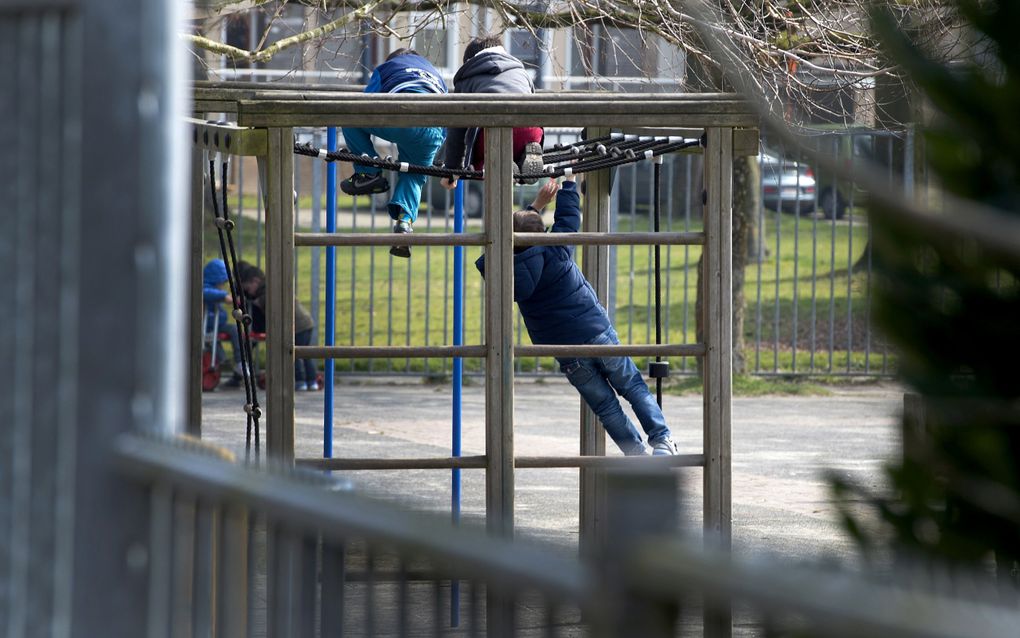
(238, 551)
(807, 285)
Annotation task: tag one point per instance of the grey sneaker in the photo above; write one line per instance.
(532, 161)
(401, 227)
(664, 447)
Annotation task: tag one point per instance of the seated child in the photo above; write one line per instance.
(253, 283)
(214, 276)
(488, 68)
(559, 306)
(404, 71)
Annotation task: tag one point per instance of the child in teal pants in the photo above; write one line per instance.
(404, 71)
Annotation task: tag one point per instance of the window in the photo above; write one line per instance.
(432, 44)
(525, 47)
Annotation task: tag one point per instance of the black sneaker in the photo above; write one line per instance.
(532, 161)
(401, 227)
(233, 382)
(365, 184)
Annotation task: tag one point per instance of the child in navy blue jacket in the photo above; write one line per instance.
(404, 71)
(559, 306)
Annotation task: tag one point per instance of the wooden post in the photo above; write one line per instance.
(499, 307)
(499, 368)
(719, 352)
(279, 179)
(595, 266)
(196, 308)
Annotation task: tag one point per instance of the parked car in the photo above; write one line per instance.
(786, 185)
(836, 192)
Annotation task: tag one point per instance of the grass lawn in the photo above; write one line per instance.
(800, 294)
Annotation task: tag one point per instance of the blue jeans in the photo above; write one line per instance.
(414, 146)
(304, 369)
(600, 379)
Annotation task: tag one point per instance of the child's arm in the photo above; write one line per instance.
(212, 295)
(544, 195)
(567, 218)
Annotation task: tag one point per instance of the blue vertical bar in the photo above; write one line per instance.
(330, 336)
(458, 376)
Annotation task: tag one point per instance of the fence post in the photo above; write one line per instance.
(639, 505)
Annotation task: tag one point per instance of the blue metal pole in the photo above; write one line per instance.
(330, 336)
(458, 376)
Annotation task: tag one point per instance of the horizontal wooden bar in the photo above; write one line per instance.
(453, 118)
(387, 352)
(620, 350)
(501, 111)
(389, 239)
(478, 351)
(269, 93)
(215, 106)
(609, 462)
(609, 239)
(227, 138)
(521, 462)
(441, 463)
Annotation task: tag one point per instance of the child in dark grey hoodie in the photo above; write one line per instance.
(488, 68)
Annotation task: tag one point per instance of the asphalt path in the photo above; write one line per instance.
(782, 448)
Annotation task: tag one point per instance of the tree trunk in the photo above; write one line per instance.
(745, 206)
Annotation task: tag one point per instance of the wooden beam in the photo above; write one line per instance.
(196, 307)
(389, 239)
(520, 462)
(499, 362)
(388, 352)
(279, 179)
(227, 138)
(595, 266)
(718, 263)
(499, 333)
(620, 350)
(609, 239)
(664, 110)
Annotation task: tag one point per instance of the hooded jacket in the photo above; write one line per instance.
(557, 303)
(214, 275)
(407, 73)
(491, 70)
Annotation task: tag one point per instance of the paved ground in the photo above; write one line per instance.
(781, 446)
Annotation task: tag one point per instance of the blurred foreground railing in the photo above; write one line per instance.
(241, 551)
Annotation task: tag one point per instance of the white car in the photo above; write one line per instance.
(786, 185)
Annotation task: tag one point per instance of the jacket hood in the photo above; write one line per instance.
(488, 62)
(214, 273)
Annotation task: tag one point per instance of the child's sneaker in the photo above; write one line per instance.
(365, 184)
(300, 386)
(664, 447)
(401, 227)
(233, 382)
(532, 162)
